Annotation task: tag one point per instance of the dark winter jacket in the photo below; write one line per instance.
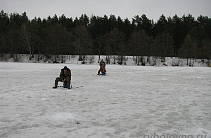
(102, 63)
(102, 67)
(66, 75)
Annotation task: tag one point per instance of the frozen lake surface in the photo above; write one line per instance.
(131, 101)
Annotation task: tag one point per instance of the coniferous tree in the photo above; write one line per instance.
(4, 21)
(161, 26)
(12, 43)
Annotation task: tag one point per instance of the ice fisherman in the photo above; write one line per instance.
(65, 76)
(102, 67)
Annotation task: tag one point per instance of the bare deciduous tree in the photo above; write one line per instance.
(163, 45)
(25, 37)
(139, 43)
(82, 41)
(188, 49)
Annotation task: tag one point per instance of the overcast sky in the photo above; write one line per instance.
(123, 8)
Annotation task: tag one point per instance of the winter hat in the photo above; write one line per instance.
(65, 67)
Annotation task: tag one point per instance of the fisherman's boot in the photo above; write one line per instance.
(68, 84)
(56, 83)
(98, 73)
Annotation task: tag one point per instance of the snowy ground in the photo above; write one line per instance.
(131, 101)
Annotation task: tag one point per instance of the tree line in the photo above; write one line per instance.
(184, 36)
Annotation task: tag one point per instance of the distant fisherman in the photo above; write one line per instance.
(102, 68)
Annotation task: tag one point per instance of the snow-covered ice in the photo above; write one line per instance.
(131, 101)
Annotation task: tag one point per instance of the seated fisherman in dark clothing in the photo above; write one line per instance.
(65, 76)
